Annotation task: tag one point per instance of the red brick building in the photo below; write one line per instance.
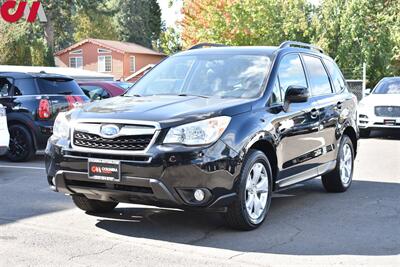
(119, 59)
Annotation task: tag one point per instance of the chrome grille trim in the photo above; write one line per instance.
(130, 127)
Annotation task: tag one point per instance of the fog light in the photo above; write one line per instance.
(199, 195)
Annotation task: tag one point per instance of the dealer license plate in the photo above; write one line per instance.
(105, 170)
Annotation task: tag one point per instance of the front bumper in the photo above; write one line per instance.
(368, 120)
(165, 177)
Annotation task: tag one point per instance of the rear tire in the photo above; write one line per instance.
(254, 192)
(95, 206)
(340, 179)
(21, 144)
(365, 133)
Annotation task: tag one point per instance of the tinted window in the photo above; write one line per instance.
(337, 78)
(24, 87)
(291, 73)
(389, 86)
(95, 92)
(5, 86)
(319, 80)
(56, 86)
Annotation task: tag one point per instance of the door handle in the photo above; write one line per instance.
(314, 113)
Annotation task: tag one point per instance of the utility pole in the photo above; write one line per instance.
(364, 81)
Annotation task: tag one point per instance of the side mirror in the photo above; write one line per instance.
(368, 91)
(296, 94)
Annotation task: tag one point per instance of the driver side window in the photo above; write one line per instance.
(291, 73)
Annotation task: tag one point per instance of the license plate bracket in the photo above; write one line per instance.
(389, 122)
(104, 170)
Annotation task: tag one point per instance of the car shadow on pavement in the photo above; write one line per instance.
(304, 220)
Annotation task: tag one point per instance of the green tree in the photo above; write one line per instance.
(139, 21)
(170, 41)
(93, 25)
(14, 45)
(246, 22)
(357, 31)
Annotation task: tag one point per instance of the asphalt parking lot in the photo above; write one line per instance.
(306, 226)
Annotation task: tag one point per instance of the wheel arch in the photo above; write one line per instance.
(25, 123)
(267, 147)
(351, 133)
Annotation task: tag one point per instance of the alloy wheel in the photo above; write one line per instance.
(346, 164)
(257, 190)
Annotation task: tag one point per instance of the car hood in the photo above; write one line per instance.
(167, 110)
(381, 100)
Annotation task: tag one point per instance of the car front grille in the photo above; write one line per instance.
(122, 143)
(387, 111)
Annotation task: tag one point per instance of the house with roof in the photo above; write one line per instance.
(120, 59)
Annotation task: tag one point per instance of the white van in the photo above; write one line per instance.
(4, 135)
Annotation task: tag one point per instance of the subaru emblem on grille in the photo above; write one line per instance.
(109, 130)
(390, 109)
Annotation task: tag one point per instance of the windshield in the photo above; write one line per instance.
(391, 86)
(58, 86)
(231, 76)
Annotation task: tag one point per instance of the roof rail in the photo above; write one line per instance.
(203, 45)
(302, 45)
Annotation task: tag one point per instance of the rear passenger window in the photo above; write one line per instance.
(319, 79)
(24, 87)
(337, 78)
(291, 72)
(5, 86)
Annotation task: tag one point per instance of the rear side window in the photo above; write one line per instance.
(94, 92)
(5, 86)
(319, 79)
(291, 73)
(57, 86)
(24, 87)
(337, 78)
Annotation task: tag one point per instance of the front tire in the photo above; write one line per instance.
(21, 144)
(94, 206)
(254, 192)
(340, 179)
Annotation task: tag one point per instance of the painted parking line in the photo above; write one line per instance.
(22, 167)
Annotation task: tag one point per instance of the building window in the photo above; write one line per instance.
(103, 51)
(105, 64)
(133, 64)
(76, 62)
(76, 52)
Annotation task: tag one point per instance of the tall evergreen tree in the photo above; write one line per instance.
(139, 21)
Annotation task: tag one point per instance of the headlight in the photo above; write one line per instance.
(198, 133)
(61, 126)
(2, 112)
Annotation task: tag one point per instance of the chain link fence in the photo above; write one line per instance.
(355, 80)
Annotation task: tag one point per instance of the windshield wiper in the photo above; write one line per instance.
(202, 96)
(126, 95)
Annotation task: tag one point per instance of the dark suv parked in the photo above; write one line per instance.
(214, 129)
(32, 103)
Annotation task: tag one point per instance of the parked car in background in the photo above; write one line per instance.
(215, 129)
(32, 102)
(4, 135)
(381, 108)
(103, 90)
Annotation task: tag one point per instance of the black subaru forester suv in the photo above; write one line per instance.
(215, 129)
